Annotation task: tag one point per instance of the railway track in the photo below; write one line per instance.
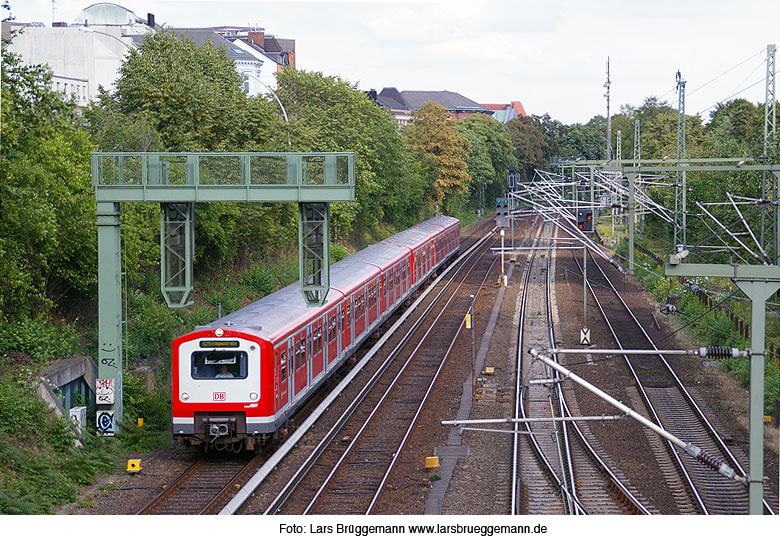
(670, 405)
(558, 470)
(202, 488)
(347, 476)
(257, 496)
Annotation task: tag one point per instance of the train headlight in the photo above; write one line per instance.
(185, 396)
(253, 396)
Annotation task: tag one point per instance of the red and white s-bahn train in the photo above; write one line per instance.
(237, 380)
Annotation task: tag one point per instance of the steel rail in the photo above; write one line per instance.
(557, 385)
(733, 462)
(600, 463)
(389, 389)
(646, 399)
(293, 482)
(520, 407)
(410, 427)
(276, 458)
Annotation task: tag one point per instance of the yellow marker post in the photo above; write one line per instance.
(134, 465)
(431, 462)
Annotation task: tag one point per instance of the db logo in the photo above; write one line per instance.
(220, 396)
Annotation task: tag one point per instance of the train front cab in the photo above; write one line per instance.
(218, 389)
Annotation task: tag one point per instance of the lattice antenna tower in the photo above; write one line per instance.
(619, 146)
(609, 118)
(770, 191)
(637, 143)
(680, 201)
(770, 105)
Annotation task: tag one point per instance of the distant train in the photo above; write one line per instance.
(237, 380)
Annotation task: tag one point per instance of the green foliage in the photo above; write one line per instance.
(260, 279)
(190, 95)
(47, 235)
(154, 407)
(434, 133)
(339, 117)
(337, 252)
(114, 130)
(41, 466)
(151, 325)
(42, 340)
(491, 155)
(535, 140)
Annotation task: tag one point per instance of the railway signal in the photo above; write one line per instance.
(502, 212)
(585, 220)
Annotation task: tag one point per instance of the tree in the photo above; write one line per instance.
(435, 133)
(491, 154)
(535, 140)
(192, 96)
(339, 117)
(47, 233)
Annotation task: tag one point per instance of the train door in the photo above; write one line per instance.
(346, 323)
(398, 286)
(301, 370)
(359, 310)
(390, 286)
(382, 283)
(281, 379)
(373, 299)
(317, 348)
(332, 337)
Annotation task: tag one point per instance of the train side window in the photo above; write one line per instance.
(219, 364)
(283, 365)
(331, 329)
(318, 340)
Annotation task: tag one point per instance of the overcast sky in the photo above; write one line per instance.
(550, 55)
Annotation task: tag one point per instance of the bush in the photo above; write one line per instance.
(40, 466)
(154, 407)
(260, 279)
(337, 252)
(152, 326)
(41, 340)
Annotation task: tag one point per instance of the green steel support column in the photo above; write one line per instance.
(177, 250)
(631, 217)
(758, 292)
(109, 387)
(314, 253)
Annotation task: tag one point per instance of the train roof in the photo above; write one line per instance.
(443, 221)
(415, 236)
(277, 312)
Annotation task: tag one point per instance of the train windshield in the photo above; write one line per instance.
(219, 364)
